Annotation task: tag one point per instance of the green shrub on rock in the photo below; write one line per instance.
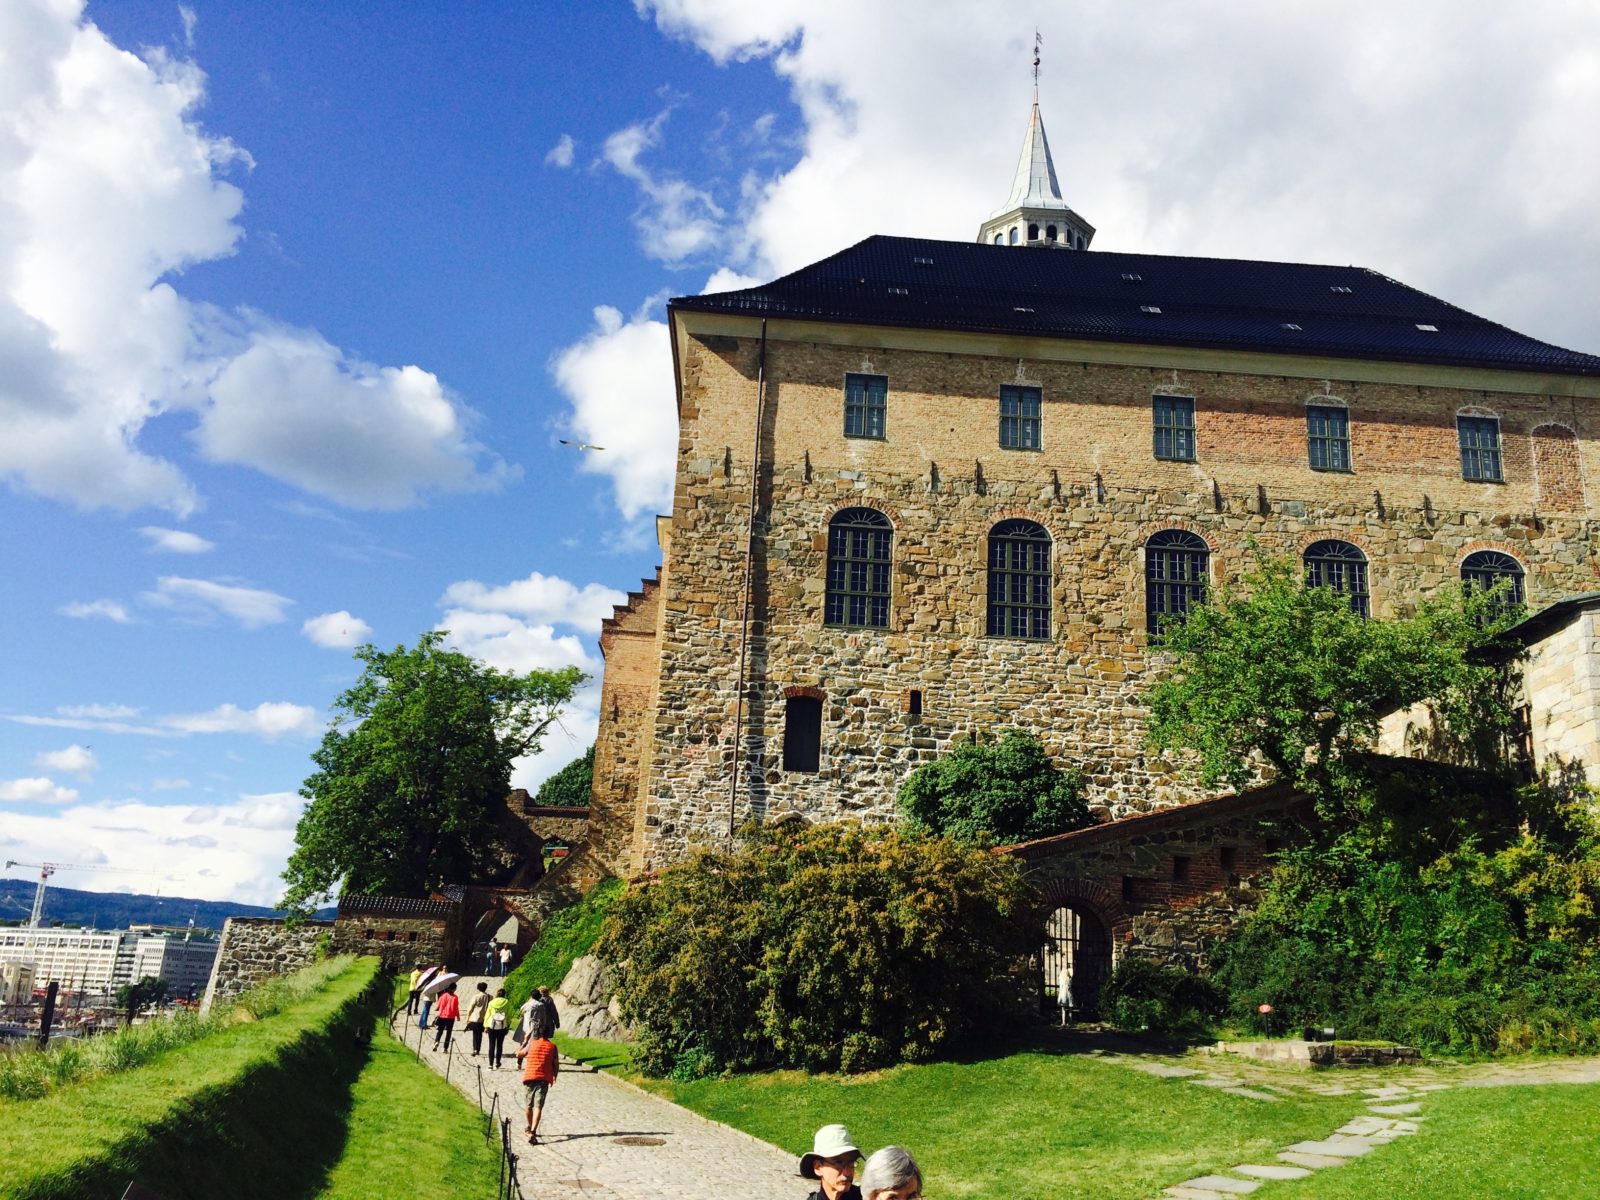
(836, 947)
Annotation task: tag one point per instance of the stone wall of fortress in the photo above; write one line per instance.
(942, 480)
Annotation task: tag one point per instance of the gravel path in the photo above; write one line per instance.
(602, 1137)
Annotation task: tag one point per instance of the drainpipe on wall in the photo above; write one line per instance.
(749, 569)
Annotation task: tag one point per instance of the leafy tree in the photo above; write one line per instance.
(1008, 790)
(570, 786)
(148, 989)
(414, 771)
(835, 947)
(1280, 671)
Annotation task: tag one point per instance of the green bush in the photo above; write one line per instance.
(1005, 791)
(1144, 996)
(569, 787)
(569, 934)
(836, 947)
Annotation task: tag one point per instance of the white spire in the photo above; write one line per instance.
(1035, 213)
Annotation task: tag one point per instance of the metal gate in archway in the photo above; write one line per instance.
(1076, 963)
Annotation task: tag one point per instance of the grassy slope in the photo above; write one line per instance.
(1022, 1125)
(1519, 1143)
(410, 1134)
(568, 934)
(175, 1123)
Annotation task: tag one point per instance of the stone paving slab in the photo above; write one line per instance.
(1397, 1110)
(605, 1138)
(1189, 1193)
(1251, 1094)
(1335, 1147)
(1225, 1184)
(1314, 1162)
(1270, 1171)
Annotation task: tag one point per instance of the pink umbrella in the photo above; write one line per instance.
(438, 983)
(422, 980)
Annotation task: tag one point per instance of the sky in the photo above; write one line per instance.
(298, 301)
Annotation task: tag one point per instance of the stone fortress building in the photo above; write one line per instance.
(927, 489)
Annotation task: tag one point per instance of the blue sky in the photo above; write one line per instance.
(297, 299)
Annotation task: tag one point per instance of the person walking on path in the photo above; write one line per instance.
(540, 1066)
(475, 1011)
(505, 961)
(832, 1163)
(449, 1008)
(497, 1020)
(415, 997)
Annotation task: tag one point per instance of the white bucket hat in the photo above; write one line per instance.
(830, 1142)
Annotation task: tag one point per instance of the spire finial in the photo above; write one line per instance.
(1038, 43)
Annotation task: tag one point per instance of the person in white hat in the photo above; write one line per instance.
(832, 1163)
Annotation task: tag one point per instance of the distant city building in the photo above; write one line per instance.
(16, 983)
(92, 960)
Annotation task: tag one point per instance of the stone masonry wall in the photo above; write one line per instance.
(1168, 885)
(402, 942)
(258, 948)
(943, 483)
(1562, 682)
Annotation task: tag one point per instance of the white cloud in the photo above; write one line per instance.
(619, 382)
(296, 407)
(676, 220)
(503, 641)
(1431, 141)
(84, 610)
(176, 541)
(541, 599)
(162, 784)
(336, 630)
(561, 153)
(70, 760)
(269, 720)
(232, 851)
(187, 15)
(108, 188)
(199, 599)
(37, 790)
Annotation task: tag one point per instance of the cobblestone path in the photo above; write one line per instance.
(605, 1138)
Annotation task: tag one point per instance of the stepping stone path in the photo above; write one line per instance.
(1393, 1111)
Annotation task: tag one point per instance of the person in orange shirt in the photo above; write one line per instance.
(444, 1016)
(541, 1065)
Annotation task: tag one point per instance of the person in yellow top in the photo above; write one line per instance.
(497, 1023)
(416, 990)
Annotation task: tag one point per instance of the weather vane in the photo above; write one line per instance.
(1038, 43)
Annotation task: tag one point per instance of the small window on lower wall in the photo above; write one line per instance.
(1180, 869)
(802, 734)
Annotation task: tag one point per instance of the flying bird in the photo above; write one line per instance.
(579, 445)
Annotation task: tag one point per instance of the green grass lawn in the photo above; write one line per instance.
(1512, 1143)
(1021, 1125)
(410, 1134)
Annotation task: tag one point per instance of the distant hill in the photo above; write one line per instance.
(118, 910)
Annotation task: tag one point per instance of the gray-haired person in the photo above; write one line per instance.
(891, 1174)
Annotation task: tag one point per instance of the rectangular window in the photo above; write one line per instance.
(1180, 869)
(1480, 448)
(1174, 428)
(802, 734)
(1019, 418)
(866, 405)
(1328, 437)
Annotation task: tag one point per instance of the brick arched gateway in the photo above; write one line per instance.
(1079, 951)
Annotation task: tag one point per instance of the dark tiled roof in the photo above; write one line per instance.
(392, 906)
(1282, 308)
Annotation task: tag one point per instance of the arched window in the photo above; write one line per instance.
(1176, 568)
(1049, 233)
(1033, 233)
(1013, 235)
(858, 569)
(999, 239)
(1342, 567)
(1487, 568)
(1019, 580)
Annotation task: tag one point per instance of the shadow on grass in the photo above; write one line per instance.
(275, 1134)
(1069, 1040)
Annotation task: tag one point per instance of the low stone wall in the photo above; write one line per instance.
(258, 948)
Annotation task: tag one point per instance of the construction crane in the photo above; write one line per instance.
(48, 869)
